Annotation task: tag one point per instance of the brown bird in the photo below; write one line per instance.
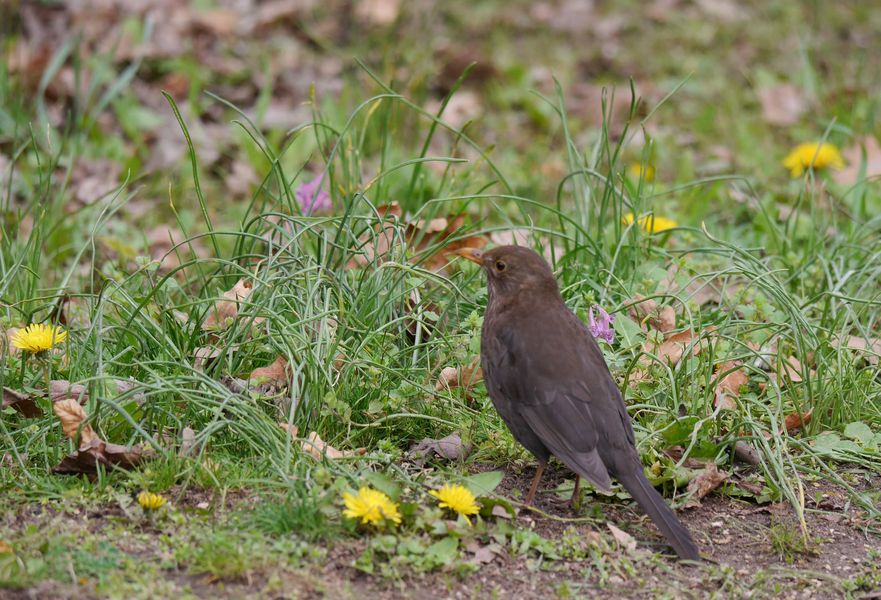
(548, 379)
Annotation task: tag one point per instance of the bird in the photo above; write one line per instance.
(547, 378)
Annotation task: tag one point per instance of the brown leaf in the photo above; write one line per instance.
(744, 452)
(12, 350)
(796, 420)
(665, 320)
(450, 447)
(22, 403)
(624, 539)
(853, 156)
(640, 308)
(275, 373)
(226, 309)
(293, 430)
(728, 387)
(318, 448)
(792, 370)
(72, 416)
(464, 377)
(98, 452)
(187, 441)
(870, 349)
(782, 104)
(707, 481)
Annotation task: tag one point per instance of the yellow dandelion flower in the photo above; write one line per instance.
(813, 155)
(151, 501)
(457, 498)
(370, 506)
(651, 224)
(640, 171)
(38, 337)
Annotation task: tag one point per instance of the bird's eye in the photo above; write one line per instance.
(500, 266)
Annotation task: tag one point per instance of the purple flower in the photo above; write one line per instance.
(601, 326)
(312, 198)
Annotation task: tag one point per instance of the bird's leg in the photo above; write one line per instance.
(575, 501)
(531, 495)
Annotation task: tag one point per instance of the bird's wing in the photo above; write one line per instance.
(564, 397)
(565, 426)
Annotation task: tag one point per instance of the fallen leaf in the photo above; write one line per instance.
(98, 452)
(673, 347)
(456, 377)
(782, 104)
(293, 430)
(792, 370)
(853, 156)
(624, 539)
(795, 421)
(61, 388)
(318, 448)
(705, 482)
(226, 309)
(665, 321)
(72, 416)
(870, 348)
(22, 403)
(744, 452)
(728, 387)
(187, 441)
(7, 346)
(275, 373)
(450, 448)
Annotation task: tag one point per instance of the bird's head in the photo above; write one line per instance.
(512, 269)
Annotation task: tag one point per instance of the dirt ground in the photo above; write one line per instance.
(742, 560)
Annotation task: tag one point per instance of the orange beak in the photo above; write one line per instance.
(472, 254)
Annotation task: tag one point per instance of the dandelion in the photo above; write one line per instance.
(457, 498)
(370, 506)
(150, 501)
(815, 155)
(601, 326)
(640, 171)
(38, 337)
(311, 197)
(651, 224)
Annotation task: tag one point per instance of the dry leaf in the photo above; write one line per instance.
(378, 12)
(464, 377)
(22, 403)
(318, 448)
(187, 441)
(792, 370)
(853, 156)
(782, 104)
(275, 374)
(293, 430)
(728, 387)
(707, 481)
(871, 348)
(98, 452)
(624, 539)
(226, 309)
(665, 321)
(450, 448)
(7, 346)
(744, 452)
(796, 420)
(72, 416)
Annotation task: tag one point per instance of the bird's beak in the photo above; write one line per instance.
(472, 254)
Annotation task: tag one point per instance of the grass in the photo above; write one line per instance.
(800, 260)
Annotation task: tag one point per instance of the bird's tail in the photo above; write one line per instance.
(663, 516)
